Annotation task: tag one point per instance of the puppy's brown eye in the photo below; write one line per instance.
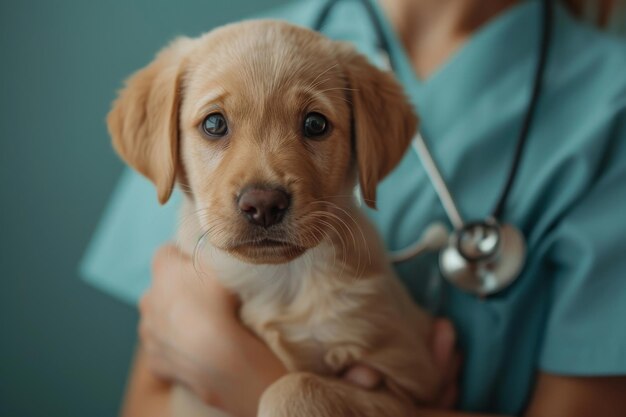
(215, 125)
(315, 125)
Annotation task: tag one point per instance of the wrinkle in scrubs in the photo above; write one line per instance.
(564, 314)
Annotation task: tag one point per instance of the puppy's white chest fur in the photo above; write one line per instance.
(303, 308)
(330, 308)
(326, 309)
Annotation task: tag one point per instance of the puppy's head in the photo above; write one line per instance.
(265, 125)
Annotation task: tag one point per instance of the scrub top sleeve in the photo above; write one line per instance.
(585, 331)
(134, 225)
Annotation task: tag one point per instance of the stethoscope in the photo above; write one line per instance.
(481, 257)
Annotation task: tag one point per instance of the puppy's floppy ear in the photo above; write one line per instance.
(144, 119)
(383, 119)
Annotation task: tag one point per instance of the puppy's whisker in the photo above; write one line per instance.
(323, 235)
(317, 94)
(320, 218)
(192, 215)
(339, 230)
(184, 186)
(354, 242)
(330, 206)
(188, 231)
(343, 224)
(324, 72)
(311, 87)
(369, 200)
(336, 88)
(333, 196)
(357, 226)
(326, 236)
(196, 251)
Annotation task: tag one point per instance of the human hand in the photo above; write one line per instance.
(191, 334)
(448, 360)
(445, 355)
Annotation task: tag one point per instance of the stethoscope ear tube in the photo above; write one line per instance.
(544, 49)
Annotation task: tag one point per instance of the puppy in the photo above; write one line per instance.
(267, 127)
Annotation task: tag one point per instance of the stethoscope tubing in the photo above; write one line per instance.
(470, 271)
(436, 179)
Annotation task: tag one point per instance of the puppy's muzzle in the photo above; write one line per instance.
(264, 207)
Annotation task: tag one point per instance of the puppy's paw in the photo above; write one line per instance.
(305, 395)
(340, 357)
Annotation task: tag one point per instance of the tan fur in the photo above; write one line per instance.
(380, 112)
(326, 299)
(144, 120)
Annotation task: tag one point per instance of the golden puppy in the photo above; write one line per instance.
(267, 127)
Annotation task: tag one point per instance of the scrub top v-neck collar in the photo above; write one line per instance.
(478, 63)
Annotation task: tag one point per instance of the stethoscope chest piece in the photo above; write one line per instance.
(483, 258)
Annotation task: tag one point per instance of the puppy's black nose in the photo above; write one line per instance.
(263, 207)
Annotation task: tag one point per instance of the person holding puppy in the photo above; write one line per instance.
(551, 343)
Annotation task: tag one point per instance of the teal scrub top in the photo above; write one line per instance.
(566, 313)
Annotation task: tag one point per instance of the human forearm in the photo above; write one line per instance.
(569, 396)
(146, 394)
(562, 396)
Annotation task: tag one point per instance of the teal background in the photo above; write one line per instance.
(65, 347)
